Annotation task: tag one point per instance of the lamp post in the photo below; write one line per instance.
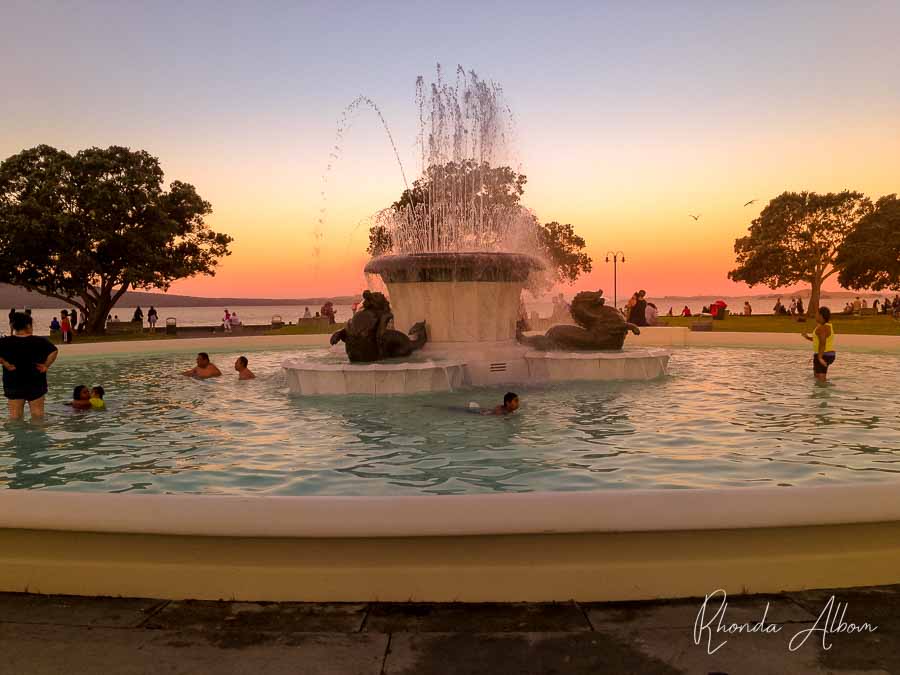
(616, 257)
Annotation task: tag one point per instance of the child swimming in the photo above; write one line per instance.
(510, 405)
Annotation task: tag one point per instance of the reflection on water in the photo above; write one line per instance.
(722, 418)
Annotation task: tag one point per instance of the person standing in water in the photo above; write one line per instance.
(823, 344)
(25, 359)
(244, 373)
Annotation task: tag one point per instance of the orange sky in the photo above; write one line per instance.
(627, 117)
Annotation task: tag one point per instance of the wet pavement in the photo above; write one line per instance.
(55, 634)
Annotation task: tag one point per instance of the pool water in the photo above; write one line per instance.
(722, 418)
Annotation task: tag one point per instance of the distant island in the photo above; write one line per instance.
(15, 296)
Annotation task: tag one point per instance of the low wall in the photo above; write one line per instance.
(679, 336)
(622, 545)
(649, 337)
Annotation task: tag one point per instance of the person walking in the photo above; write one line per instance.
(25, 359)
(823, 344)
(152, 318)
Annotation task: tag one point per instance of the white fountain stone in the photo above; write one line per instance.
(305, 377)
(458, 311)
(628, 364)
(467, 365)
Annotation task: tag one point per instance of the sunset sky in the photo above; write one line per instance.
(629, 116)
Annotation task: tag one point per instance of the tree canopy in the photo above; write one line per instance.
(88, 227)
(870, 256)
(798, 237)
(483, 190)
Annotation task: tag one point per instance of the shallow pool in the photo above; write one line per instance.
(724, 417)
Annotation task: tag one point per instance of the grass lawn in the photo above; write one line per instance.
(306, 329)
(769, 323)
(117, 337)
(161, 334)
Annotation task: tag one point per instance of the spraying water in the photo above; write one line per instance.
(345, 123)
(467, 197)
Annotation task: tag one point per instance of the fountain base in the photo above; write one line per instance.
(307, 378)
(452, 366)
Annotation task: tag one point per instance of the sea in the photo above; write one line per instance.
(265, 314)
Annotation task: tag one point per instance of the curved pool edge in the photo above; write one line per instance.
(451, 515)
(492, 548)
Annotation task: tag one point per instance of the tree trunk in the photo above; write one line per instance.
(95, 315)
(814, 297)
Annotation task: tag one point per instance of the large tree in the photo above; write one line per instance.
(797, 238)
(483, 191)
(88, 227)
(870, 256)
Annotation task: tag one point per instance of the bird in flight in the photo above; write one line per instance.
(697, 217)
(752, 201)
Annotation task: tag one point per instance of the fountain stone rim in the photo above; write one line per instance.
(446, 266)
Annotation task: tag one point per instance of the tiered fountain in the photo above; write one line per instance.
(456, 254)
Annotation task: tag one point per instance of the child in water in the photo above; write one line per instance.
(97, 402)
(81, 398)
(510, 405)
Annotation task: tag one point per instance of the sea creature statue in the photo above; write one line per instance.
(600, 327)
(369, 336)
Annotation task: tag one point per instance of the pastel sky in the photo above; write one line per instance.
(629, 116)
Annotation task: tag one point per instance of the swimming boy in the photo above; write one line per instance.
(510, 405)
(244, 373)
(205, 368)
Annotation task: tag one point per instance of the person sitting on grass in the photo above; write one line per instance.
(244, 373)
(81, 398)
(205, 368)
(97, 402)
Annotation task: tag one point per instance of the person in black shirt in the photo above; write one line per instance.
(25, 358)
(638, 313)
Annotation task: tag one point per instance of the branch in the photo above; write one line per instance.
(120, 293)
(50, 294)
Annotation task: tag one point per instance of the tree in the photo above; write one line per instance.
(565, 251)
(86, 228)
(797, 238)
(480, 191)
(870, 256)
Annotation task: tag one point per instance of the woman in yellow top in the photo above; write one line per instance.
(823, 344)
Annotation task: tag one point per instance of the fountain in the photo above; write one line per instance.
(455, 254)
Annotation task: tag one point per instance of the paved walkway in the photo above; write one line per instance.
(74, 635)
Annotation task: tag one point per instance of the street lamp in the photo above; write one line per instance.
(616, 257)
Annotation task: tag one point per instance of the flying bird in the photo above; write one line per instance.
(697, 217)
(752, 201)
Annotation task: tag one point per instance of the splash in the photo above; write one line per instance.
(467, 197)
(348, 116)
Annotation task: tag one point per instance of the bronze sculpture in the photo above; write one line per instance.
(368, 335)
(600, 327)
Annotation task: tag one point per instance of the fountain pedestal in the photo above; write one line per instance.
(469, 303)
